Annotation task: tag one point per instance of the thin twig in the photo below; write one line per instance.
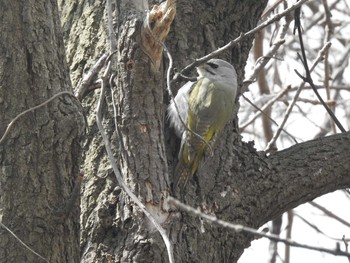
(260, 64)
(346, 245)
(336, 87)
(290, 218)
(270, 54)
(270, 9)
(264, 107)
(330, 214)
(84, 85)
(118, 176)
(315, 227)
(232, 43)
(305, 115)
(275, 230)
(329, 28)
(291, 105)
(240, 228)
(261, 111)
(308, 77)
(22, 243)
(316, 102)
(33, 109)
(318, 17)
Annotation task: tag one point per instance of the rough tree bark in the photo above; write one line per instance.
(239, 184)
(39, 158)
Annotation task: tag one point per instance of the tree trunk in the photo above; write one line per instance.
(238, 184)
(40, 156)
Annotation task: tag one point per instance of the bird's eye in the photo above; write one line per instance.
(212, 65)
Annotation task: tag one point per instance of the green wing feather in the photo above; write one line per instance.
(210, 107)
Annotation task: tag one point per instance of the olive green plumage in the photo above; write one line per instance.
(205, 106)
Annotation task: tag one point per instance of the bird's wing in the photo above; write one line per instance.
(210, 107)
(200, 117)
(200, 114)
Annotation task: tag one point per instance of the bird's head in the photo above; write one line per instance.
(217, 69)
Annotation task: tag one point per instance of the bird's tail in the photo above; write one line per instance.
(182, 174)
(187, 166)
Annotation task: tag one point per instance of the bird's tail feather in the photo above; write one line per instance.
(184, 171)
(190, 154)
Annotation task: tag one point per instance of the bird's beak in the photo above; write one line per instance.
(201, 70)
(204, 69)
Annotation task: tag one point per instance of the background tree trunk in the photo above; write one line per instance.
(239, 184)
(41, 154)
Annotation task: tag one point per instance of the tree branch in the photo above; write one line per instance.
(85, 83)
(22, 243)
(308, 77)
(329, 213)
(308, 170)
(249, 230)
(232, 43)
(291, 105)
(2, 139)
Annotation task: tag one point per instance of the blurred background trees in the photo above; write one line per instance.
(324, 220)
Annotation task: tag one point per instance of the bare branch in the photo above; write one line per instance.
(276, 230)
(260, 63)
(290, 216)
(314, 227)
(291, 105)
(240, 228)
(22, 243)
(308, 78)
(85, 84)
(346, 246)
(329, 213)
(261, 110)
(33, 109)
(329, 29)
(234, 42)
